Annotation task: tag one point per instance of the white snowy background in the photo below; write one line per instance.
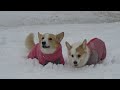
(77, 25)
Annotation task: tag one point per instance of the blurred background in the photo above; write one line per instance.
(23, 18)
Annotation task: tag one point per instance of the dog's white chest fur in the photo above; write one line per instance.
(48, 51)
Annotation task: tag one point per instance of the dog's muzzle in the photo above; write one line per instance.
(44, 45)
(75, 63)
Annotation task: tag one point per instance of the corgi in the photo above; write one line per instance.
(81, 54)
(48, 49)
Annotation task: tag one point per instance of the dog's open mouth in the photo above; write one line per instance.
(46, 46)
(75, 65)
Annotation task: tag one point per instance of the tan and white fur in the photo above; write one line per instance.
(48, 42)
(78, 53)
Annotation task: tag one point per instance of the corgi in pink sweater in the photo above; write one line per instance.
(81, 54)
(47, 50)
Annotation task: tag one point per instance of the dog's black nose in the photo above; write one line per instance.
(43, 43)
(75, 62)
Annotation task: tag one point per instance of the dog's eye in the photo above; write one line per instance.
(50, 38)
(79, 56)
(42, 37)
(72, 55)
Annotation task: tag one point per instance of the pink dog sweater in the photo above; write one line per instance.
(98, 51)
(56, 57)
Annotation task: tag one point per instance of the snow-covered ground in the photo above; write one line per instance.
(14, 64)
(23, 18)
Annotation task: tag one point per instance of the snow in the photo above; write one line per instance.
(14, 63)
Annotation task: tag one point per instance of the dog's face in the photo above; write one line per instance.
(77, 53)
(50, 42)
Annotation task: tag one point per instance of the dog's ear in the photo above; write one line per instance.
(60, 36)
(39, 36)
(84, 44)
(68, 45)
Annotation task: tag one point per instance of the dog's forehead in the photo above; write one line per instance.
(74, 49)
(80, 50)
(48, 35)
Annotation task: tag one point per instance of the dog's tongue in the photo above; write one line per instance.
(47, 46)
